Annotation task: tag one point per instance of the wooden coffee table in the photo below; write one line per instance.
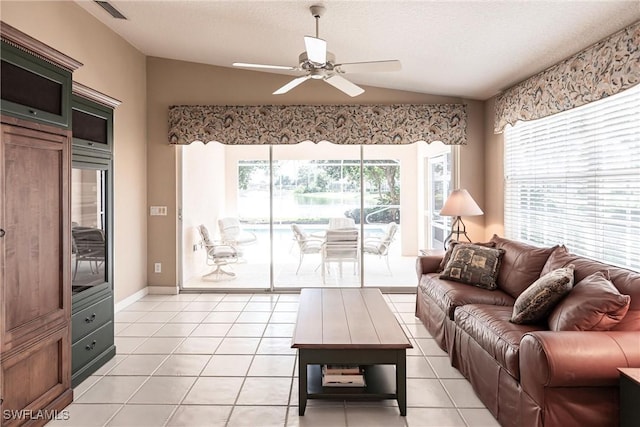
(350, 327)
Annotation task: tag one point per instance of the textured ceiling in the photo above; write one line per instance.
(471, 49)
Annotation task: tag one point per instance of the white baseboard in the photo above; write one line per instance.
(130, 299)
(163, 290)
(149, 290)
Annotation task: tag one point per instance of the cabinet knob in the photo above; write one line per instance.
(90, 318)
(2, 233)
(91, 346)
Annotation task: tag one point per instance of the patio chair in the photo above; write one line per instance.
(231, 233)
(218, 255)
(341, 223)
(380, 245)
(306, 244)
(340, 246)
(88, 244)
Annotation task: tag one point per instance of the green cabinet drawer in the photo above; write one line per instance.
(91, 346)
(89, 319)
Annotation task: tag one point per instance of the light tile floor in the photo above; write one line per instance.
(225, 360)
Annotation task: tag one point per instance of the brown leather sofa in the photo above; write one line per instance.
(528, 375)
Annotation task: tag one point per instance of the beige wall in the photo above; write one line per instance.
(493, 175)
(172, 82)
(115, 68)
(471, 168)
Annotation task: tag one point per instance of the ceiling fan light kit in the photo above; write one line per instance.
(320, 64)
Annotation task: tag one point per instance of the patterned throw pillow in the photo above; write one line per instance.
(538, 300)
(594, 304)
(474, 265)
(452, 244)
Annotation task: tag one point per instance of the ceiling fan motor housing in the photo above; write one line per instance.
(307, 65)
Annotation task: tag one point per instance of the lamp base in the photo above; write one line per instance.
(458, 228)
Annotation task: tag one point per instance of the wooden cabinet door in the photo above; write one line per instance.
(35, 297)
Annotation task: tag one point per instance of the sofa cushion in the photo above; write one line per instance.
(453, 244)
(538, 300)
(448, 294)
(521, 264)
(474, 265)
(594, 304)
(489, 326)
(626, 281)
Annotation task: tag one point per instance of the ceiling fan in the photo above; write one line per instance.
(318, 63)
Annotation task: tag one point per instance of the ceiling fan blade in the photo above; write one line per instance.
(316, 49)
(293, 83)
(344, 85)
(368, 67)
(268, 67)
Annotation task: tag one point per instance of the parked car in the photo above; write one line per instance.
(380, 214)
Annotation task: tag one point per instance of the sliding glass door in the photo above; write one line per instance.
(226, 189)
(439, 183)
(316, 190)
(309, 214)
(389, 219)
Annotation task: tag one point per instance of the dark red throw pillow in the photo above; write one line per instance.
(594, 304)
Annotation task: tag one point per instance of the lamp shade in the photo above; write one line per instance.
(460, 203)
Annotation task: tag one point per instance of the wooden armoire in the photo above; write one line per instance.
(35, 229)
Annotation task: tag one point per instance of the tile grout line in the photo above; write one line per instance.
(180, 403)
(155, 370)
(244, 380)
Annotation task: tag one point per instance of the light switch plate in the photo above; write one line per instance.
(158, 210)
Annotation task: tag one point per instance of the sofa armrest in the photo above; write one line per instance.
(428, 264)
(575, 359)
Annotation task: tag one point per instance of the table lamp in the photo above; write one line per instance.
(459, 204)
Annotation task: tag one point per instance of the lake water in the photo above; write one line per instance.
(287, 206)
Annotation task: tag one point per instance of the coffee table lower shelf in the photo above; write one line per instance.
(380, 383)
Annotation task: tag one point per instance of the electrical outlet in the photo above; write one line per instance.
(157, 267)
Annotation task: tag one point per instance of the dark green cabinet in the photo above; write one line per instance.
(92, 327)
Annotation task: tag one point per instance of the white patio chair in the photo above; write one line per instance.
(232, 233)
(306, 244)
(341, 223)
(218, 255)
(340, 246)
(380, 245)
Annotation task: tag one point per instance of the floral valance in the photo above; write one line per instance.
(340, 124)
(604, 69)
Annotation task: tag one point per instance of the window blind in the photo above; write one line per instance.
(574, 179)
